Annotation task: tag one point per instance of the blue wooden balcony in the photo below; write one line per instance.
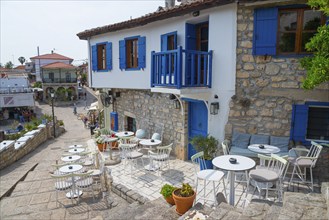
(181, 69)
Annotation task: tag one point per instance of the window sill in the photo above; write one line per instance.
(132, 69)
(101, 71)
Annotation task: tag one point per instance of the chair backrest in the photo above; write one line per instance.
(140, 133)
(225, 147)
(127, 149)
(156, 136)
(165, 150)
(61, 181)
(198, 159)
(278, 164)
(314, 152)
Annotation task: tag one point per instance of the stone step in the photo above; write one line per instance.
(303, 206)
(262, 209)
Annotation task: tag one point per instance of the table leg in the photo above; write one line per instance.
(232, 179)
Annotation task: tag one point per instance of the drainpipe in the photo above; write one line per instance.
(90, 79)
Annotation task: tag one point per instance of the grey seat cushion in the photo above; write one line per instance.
(263, 175)
(280, 142)
(259, 139)
(242, 151)
(240, 140)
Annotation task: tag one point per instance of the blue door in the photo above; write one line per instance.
(197, 122)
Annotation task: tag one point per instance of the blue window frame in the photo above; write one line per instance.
(310, 121)
(101, 55)
(284, 30)
(132, 53)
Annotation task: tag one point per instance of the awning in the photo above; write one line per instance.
(92, 108)
(94, 104)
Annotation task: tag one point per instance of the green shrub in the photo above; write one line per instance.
(167, 190)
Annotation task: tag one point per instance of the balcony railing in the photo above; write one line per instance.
(181, 68)
(15, 89)
(59, 80)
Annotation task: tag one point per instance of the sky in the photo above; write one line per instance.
(53, 25)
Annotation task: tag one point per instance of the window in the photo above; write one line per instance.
(284, 31)
(102, 56)
(168, 42)
(296, 27)
(68, 77)
(132, 53)
(51, 77)
(310, 122)
(131, 124)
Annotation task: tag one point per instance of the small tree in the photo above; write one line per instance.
(9, 65)
(317, 66)
(21, 60)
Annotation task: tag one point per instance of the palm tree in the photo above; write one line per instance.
(9, 65)
(21, 60)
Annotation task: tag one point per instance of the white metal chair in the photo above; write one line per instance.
(207, 175)
(160, 158)
(301, 163)
(62, 183)
(84, 181)
(156, 136)
(130, 155)
(273, 173)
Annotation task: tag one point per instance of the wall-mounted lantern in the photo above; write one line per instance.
(175, 100)
(214, 108)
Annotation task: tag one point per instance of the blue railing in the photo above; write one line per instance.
(181, 68)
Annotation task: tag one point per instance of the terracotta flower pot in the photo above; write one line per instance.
(101, 147)
(170, 200)
(183, 204)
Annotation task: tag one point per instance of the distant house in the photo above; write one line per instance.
(57, 75)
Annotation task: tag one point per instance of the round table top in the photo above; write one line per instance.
(77, 150)
(242, 163)
(268, 149)
(124, 134)
(110, 139)
(148, 142)
(71, 158)
(75, 146)
(70, 168)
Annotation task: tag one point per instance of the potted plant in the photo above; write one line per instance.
(184, 198)
(100, 141)
(207, 144)
(166, 192)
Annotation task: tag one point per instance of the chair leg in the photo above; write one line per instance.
(213, 186)
(196, 190)
(292, 175)
(311, 173)
(225, 188)
(204, 191)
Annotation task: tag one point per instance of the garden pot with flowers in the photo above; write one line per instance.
(166, 192)
(184, 198)
(100, 141)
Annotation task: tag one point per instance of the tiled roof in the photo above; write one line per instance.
(52, 56)
(177, 10)
(20, 67)
(58, 65)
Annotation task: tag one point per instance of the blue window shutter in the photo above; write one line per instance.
(109, 55)
(122, 54)
(164, 42)
(175, 40)
(190, 35)
(141, 52)
(265, 30)
(299, 123)
(94, 57)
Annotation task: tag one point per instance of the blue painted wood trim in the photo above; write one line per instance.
(210, 69)
(179, 65)
(152, 68)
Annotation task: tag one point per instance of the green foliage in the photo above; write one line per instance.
(322, 5)
(37, 84)
(100, 140)
(60, 122)
(186, 190)
(14, 136)
(317, 66)
(46, 116)
(167, 190)
(9, 65)
(206, 144)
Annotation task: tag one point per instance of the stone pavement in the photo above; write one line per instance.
(34, 196)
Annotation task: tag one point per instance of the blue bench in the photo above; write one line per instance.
(241, 141)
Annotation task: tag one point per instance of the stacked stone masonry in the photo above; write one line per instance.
(266, 89)
(153, 112)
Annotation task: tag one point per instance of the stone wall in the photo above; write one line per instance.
(154, 112)
(10, 154)
(266, 87)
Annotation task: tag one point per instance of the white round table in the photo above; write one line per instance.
(242, 164)
(71, 169)
(109, 140)
(268, 149)
(71, 158)
(77, 150)
(124, 134)
(75, 146)
(150, 143)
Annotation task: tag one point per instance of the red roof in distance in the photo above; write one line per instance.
(52, 56)
(58, 65)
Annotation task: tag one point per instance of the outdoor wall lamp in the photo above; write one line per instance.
(214, 107)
